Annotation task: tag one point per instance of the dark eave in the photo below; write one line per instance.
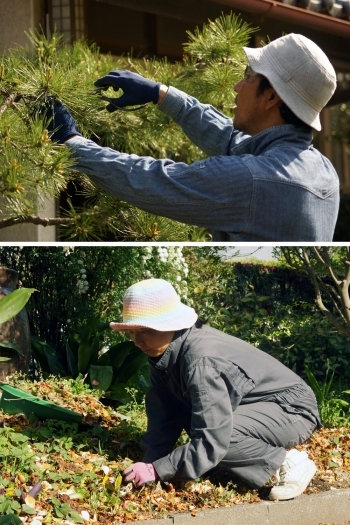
(289, 13)
(191, 10)
(197, 11)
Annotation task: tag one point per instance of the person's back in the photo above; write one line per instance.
(295, 189)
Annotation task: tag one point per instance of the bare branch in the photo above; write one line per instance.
(314, 280)
(342, 286)
(334, 297)
(327, 262)
(34, 219)
(319, 301)
(11, 99)
(340, 289)
(346, 263)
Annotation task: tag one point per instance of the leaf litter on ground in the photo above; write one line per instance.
(79, 466)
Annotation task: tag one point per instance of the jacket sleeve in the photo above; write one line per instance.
(209, 129)
(166, 418)
(213, 193)
(211, 425)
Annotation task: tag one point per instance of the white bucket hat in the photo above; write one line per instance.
(299, 72)
(154, 303)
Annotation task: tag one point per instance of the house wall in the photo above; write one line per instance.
(16, 18)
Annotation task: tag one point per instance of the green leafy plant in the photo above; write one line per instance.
(334, 411)
(13, 303)
(328, 268)
(8, 506)
(15, 453)
(65, 511)
(271, 306)
(109, 369)
(10, 519)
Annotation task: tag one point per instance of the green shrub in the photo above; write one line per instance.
(271, 307)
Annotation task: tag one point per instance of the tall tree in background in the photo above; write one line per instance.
(33, 167)
(329, 271)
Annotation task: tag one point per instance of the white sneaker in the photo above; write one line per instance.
(293, 476)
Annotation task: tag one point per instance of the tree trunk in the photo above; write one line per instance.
(15, 331)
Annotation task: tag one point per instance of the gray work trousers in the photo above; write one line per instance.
(262, 431)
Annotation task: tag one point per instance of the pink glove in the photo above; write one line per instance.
(140, 474)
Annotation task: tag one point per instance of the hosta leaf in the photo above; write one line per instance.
(12, 304)
(100, 376)
(119, 352)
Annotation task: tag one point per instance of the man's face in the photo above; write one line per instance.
(249, 111)
(151, 342)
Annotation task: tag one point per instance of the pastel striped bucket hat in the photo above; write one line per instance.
(154, 303)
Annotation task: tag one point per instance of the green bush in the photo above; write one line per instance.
(78, 284)
(271, 307)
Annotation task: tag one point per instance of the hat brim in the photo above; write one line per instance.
(119, 327)
(185, 318)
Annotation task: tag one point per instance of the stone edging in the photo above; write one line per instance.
(325, 507)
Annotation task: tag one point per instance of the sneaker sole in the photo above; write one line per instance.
(298, 490)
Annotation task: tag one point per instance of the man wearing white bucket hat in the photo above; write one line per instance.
(262, 181)
(243, 410)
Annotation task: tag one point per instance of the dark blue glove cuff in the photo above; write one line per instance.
(59, 121)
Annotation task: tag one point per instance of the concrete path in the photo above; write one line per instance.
(326, 508)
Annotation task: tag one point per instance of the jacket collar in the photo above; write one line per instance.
(168, 359)
(258, 144)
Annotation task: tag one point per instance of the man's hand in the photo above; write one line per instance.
(58, 120)
(140, 473)
(136, 89)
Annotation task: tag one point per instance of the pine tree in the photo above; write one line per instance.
(31, 164)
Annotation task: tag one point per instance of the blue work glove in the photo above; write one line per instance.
(136, 89)
(140, 473)
(58, 120)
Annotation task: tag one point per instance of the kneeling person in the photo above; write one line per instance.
(244, 410)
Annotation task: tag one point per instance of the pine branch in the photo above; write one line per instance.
(34, 219)
(29, 160)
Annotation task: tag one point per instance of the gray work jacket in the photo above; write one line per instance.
(197, 384)
(273, 186)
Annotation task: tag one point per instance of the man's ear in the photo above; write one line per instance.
(272, 99)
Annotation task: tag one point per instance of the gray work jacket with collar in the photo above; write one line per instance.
(197, 384)
(274, 186)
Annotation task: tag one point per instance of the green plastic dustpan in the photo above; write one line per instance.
(16, 401)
